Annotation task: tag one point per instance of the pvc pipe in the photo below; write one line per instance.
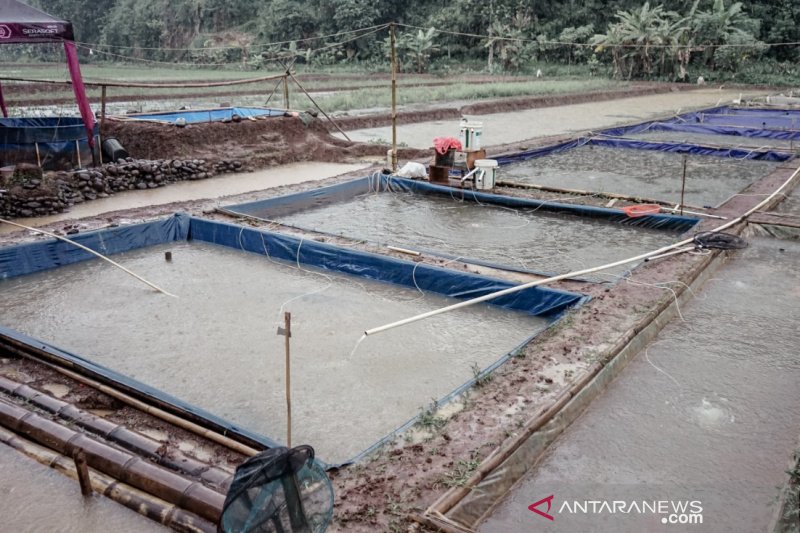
(97, 254)
(577, 273)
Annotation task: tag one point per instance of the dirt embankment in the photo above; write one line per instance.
(257, 143)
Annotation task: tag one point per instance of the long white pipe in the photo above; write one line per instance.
(82, 247)
(576, 273)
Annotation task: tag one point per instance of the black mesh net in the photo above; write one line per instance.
(279, 490)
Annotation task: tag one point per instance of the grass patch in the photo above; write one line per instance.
(461, 473)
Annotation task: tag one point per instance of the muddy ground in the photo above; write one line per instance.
(405, 477)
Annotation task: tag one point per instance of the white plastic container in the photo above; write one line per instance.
(472, 132)
(486, 174)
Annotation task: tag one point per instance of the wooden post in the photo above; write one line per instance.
(102, 111)
(394, 96)
(286, 331)
(683, 183)
(83, 472)
(286, 90)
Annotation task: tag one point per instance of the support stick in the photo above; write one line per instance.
(38, 155)
(318, 107)
(286, 331)
(273, 93)
(82, 247)
(577, 273)
(683, 182)
(83, 472)
(102, 111)
(286, 91)
(78, 152)
(394, 97)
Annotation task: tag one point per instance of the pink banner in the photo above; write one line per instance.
(3, 103)
(80, 91)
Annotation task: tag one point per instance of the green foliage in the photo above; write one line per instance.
(665, 39)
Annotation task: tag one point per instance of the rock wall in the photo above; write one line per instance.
(29, 193)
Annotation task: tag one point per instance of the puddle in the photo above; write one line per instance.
(517, 238)
(36, 498)
(216, 345)
(646, 173)
(708, 414)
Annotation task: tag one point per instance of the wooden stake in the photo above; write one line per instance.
(286, 331)
(683, 183)
(102, 111)
(83, 472)
(286, 92)
(394, 96)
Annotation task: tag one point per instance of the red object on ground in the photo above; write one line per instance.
(443, 144)
(641, 210)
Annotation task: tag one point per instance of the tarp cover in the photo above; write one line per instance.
(54, 143)
(22, 259)
(209, 115)
(745, 122)
(661, 146)
(21, 23)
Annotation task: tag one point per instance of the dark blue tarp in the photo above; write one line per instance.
(209, 115)
(660, 146)
(53, 141)
(272, 208)
(704, 129)
(760, 123)
(33, 257)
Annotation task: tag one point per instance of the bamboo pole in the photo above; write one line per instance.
(141, 85)
(394, 96)
(286, 104)
(577, 273)
(318, 107)
(102, 111)
(138, 501)
(683, 182)
(82, 247)
(286, 331)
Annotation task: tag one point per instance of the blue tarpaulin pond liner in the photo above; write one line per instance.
(758, 123)
(198, 116)
(54, 143)
(456, 224)
(678, 148)
(19, 260)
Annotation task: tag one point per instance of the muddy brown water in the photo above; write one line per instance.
(731, 141)
(219, 186)
(36, 498)
(518, 238)
(503, 128)
(708, 413)
(647, 173)
(216, 345)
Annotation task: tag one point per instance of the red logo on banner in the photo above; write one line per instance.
(533, 507)
(5, 32)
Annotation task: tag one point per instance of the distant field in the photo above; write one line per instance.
(335, 91)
